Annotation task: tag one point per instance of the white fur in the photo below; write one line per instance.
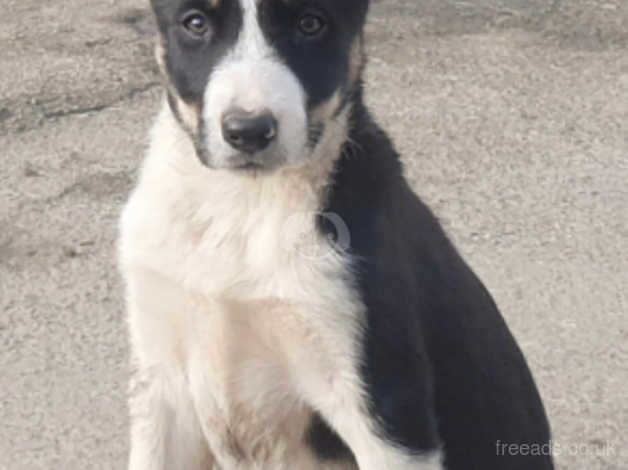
(252, 78)
(237, 339)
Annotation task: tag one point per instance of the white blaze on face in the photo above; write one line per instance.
(253, 78)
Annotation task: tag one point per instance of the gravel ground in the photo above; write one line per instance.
(512, 117)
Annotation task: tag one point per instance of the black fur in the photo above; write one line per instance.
(321, 65)
(325, 442)
(189, 63)
(441, 367)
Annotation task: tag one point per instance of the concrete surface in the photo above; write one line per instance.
(513, 119)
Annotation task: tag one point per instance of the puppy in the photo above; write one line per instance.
(292, 304)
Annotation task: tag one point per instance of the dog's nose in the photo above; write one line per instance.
(248, 132)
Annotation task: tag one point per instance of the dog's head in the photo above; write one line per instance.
(256, 82)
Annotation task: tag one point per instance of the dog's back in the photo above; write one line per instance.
(428, 312)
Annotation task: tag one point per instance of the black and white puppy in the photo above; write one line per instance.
(292, 304)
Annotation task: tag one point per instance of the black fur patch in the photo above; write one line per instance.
(441, 368)
(189, 63)
(321, 64)
(325, 442)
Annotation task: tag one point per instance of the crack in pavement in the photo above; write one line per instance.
(102, 106)
(35, 115)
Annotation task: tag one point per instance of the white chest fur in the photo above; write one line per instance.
(221, 296)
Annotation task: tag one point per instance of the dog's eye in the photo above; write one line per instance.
(196, 23)
(311, 24)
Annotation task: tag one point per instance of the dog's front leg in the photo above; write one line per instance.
(165, 434)
(165, 430)
(371, 449)
(342, 402)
